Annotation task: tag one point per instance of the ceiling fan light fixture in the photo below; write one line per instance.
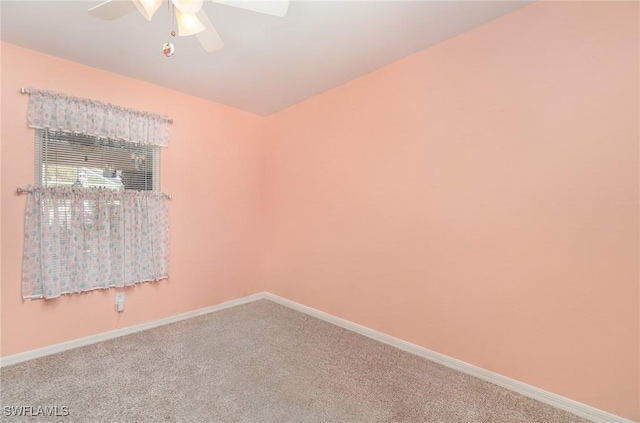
(147, 7)
(188, 14)
(188, 6)
(188, 24)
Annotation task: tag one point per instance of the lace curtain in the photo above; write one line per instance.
(48, 109)
(79, 239)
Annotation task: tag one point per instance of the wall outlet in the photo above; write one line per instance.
(119, 301)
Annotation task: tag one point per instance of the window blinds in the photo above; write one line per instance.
(68, 159)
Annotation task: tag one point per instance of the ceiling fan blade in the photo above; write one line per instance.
(112, 9)
(209, 38)
(269, 7)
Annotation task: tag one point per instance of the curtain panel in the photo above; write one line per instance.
(61, 112)
(79, 239)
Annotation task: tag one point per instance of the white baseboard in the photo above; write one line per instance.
(582, 410)
(99, 337)
(577, 408)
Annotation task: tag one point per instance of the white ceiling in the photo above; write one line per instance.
(268, 63)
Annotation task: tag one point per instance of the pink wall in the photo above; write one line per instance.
(479, 198)
(211, 168)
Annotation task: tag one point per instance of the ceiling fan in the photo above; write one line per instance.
(190, 17)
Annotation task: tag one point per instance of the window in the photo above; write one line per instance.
(95, 216)
(67, 159)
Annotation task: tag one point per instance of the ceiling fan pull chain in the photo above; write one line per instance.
(168, 48)
(173, 18)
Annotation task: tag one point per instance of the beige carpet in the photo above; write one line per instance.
(259, 362)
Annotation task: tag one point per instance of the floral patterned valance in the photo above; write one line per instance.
(48, 109)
